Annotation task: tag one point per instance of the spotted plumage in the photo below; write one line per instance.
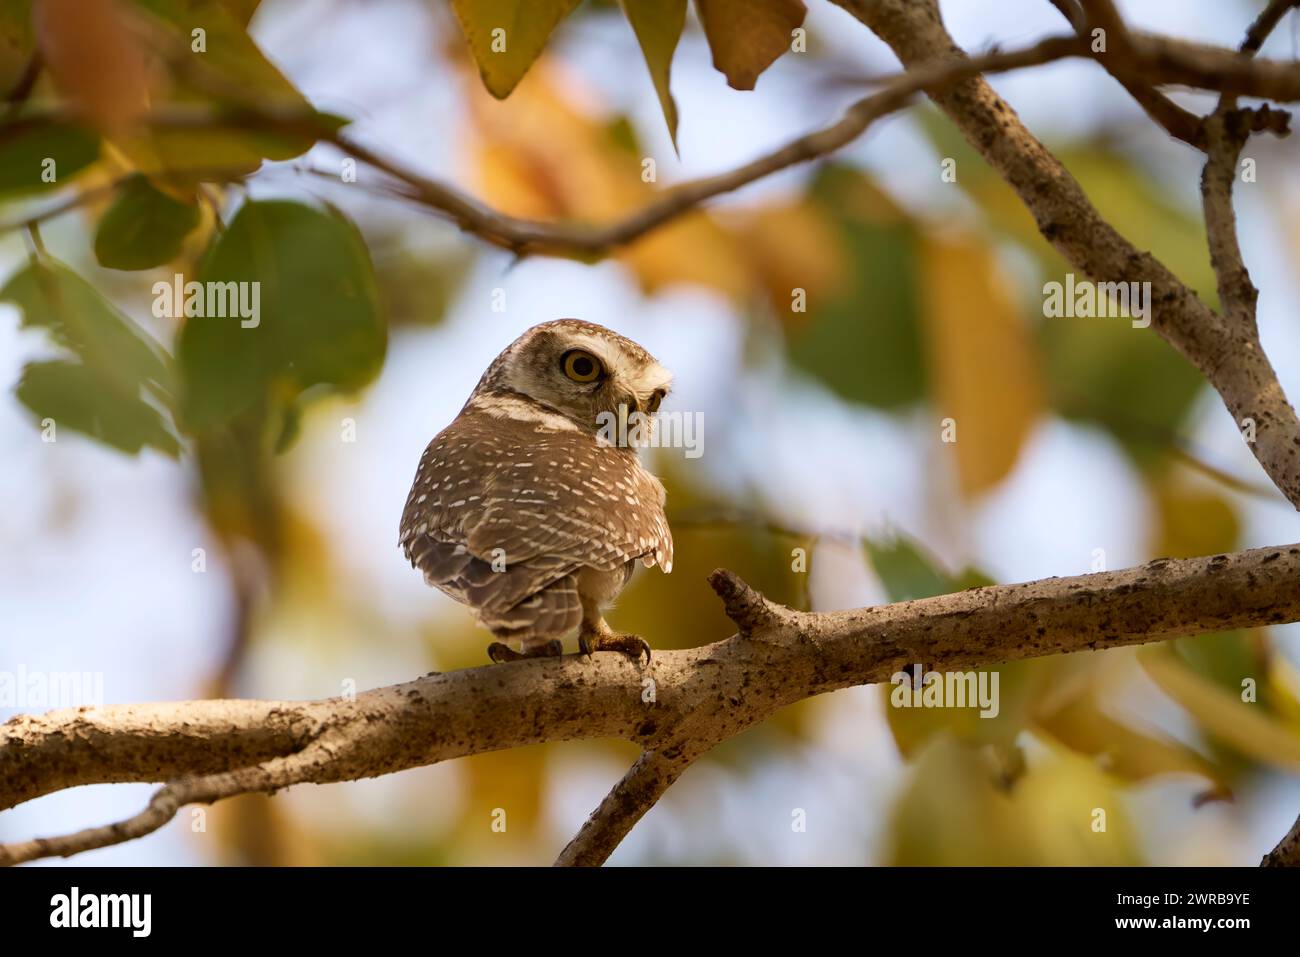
(522, 508)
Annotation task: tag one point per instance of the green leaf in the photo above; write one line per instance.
(143, 228)
(622, 134)
(906, 572)
(75, 397)
(28, 141)
(100, 395)
(319, 321)
(1127, 380)
(54, 298)
(658, 26)
(865, 343)
(506, 36)
(232, 73)
(1225, 658)
(418, 275)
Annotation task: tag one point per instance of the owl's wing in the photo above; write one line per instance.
(502, 508)
(572, 499)
(519, 601)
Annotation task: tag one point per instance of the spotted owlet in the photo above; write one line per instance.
(528, 508)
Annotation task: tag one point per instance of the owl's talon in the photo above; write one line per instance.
(500, 652)
(634, 646)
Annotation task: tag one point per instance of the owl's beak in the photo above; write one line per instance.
(653, 402)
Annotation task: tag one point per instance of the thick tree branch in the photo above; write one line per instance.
(1228, 356)
(207, 750)
(1287, 852)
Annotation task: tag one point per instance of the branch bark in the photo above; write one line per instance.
(1287, 852)
(1118, 59)
(1157, 59)
(1227, 354)
(530, 237)
(208, 750)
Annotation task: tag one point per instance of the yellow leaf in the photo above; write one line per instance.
(1083, 727)
(984, 371)
(1246, 726)
(252, 830)
(538, 156)
(95, 58)
(914, 727)
(1282, 691)
(953, 813)
(1193, 521)
(746, 36)
(658, 26)
(505, 783)
(506, 36)
(793, 245)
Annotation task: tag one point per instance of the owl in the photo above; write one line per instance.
(528, 508)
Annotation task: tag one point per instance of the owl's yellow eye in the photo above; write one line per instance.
(581, 366)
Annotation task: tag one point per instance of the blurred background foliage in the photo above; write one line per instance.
(846, 296)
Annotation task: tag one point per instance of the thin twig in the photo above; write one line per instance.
(266, 777)
(1178, 122)
(1265, 23)
(638, 791)
(529, 236)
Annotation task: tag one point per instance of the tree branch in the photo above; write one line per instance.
(1118, 60)
(525, 237)
(1287, 852)
(1167, 60)
(1162, 59)
(208, 750)
(1265, 24)
(1224, 347)
(266, 777)
(1228, 356)
(638, 791)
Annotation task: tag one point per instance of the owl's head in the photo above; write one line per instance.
(579, 370)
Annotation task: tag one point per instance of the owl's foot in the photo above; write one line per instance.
(634, 646)
(500, 652)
